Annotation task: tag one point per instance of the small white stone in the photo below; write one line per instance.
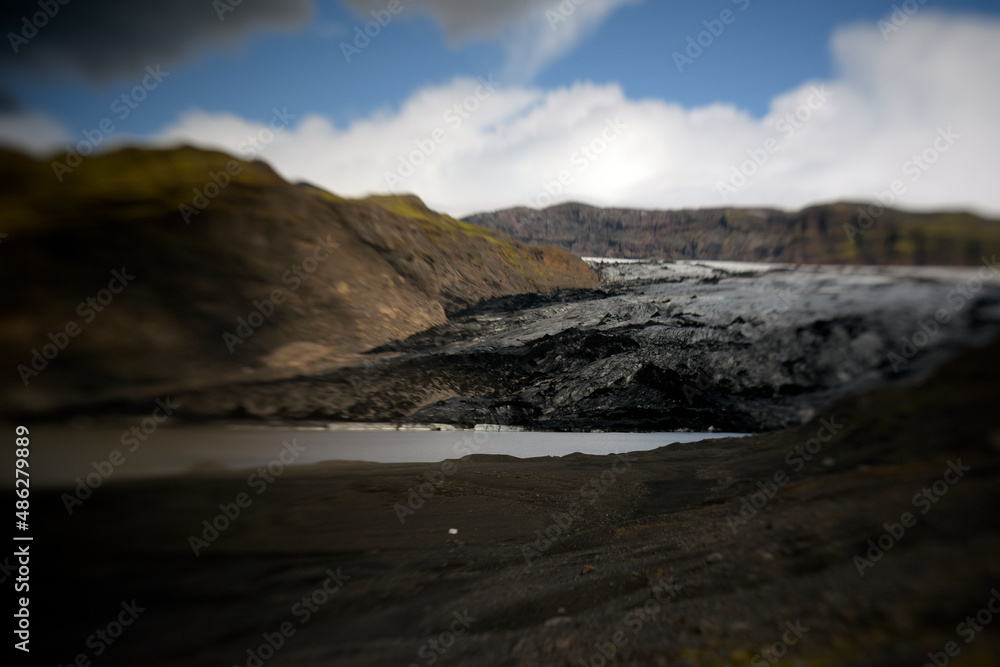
(453, 531)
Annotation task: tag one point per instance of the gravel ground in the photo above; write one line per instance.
(727, 552)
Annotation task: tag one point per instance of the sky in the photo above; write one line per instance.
(478, 105)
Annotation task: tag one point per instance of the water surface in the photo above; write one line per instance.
(60, 454)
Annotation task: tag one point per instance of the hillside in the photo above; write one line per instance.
(829, 234)
(146, 270)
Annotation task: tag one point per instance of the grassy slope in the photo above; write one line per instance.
(399, 267)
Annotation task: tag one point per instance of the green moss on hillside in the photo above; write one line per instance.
(129, 184)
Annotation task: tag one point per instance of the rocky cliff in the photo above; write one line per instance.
(830, 234)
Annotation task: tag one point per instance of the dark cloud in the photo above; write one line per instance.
(104, 40)
(464, 19)
(7, 103)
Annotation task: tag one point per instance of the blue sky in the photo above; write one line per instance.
(609, 55)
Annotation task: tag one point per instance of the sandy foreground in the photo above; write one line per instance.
(868, 536)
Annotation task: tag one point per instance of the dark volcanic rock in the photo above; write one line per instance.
(662, 346)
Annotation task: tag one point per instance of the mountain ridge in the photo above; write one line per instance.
(838, 233)
(234, 273)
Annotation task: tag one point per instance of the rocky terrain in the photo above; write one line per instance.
(866, 537)
(144, 270)
(660, 346)
(842, 233)
(860, 533)
(192, 274)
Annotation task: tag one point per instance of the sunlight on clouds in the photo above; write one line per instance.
(867, 123)
(474, 144)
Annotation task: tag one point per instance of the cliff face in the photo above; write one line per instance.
(829, 234)
(144, 269)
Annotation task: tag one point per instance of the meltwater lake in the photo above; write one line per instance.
(61, 454)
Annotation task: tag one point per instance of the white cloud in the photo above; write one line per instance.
(888, 102)
(31, 132)
(533, 33)
(551, 31)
